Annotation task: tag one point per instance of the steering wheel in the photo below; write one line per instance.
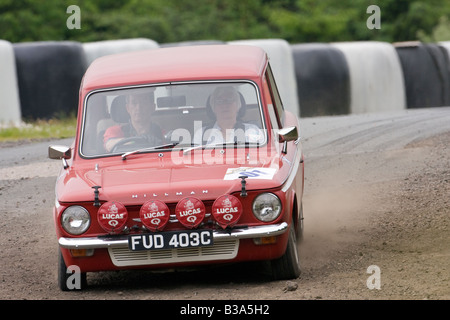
(137, 141)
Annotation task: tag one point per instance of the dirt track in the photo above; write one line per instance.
(377, 194)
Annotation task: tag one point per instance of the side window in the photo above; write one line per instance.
(270, 107)
(275, 96)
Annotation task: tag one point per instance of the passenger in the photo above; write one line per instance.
(140, 108)
(225, 104)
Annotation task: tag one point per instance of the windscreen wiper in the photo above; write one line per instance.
(168, 145)
(223, 144)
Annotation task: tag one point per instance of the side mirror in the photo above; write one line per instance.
(287, 134)
(60, 152)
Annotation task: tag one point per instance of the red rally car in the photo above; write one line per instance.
(183, 157)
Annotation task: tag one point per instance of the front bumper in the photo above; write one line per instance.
(219, 235)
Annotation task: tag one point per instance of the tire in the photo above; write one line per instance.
(287, 266)
(64, 276)
(323, 79)
(49, 74)
(300, 224)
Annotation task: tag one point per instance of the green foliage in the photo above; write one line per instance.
(188, 20)
(441, 32)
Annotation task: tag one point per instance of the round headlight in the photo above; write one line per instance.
(75, 220)
(266, 207)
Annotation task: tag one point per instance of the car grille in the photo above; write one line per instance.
(221, 250)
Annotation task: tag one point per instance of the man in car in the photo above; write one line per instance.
(225, 104)
(140, 108)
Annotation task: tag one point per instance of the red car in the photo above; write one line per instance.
(183, 157)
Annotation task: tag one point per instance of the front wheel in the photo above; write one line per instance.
(70, 278)
(301, 225)
(287, 266)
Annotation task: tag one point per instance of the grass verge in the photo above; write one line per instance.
(40, 129)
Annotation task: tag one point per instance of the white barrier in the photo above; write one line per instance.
(376, 78)
(282, 63)
(10, 114)
(94, 50)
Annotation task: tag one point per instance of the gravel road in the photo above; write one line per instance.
(376, 208)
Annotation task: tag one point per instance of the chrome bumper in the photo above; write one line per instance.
(109, 242)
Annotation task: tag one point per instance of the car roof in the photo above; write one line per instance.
(203, 62)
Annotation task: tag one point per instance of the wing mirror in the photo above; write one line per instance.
(60, 152)
(287, 134)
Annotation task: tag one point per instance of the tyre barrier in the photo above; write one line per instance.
(49, 76)
(282, 63)
(42, 79)
(190, 43)
(323, 80)
(426, 74)
(446, 46)
(440, 58)
(10, 112)
(376, 78)
(97, 49)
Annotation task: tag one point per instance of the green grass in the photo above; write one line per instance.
(40, 129)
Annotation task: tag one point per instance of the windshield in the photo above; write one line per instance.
(156, 118)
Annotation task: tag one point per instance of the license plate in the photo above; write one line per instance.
(170, 240)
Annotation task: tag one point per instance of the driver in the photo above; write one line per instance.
(140, 107)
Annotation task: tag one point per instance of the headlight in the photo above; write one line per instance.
(75, 220)
(266, 207)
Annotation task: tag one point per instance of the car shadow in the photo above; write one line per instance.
(201, 277)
